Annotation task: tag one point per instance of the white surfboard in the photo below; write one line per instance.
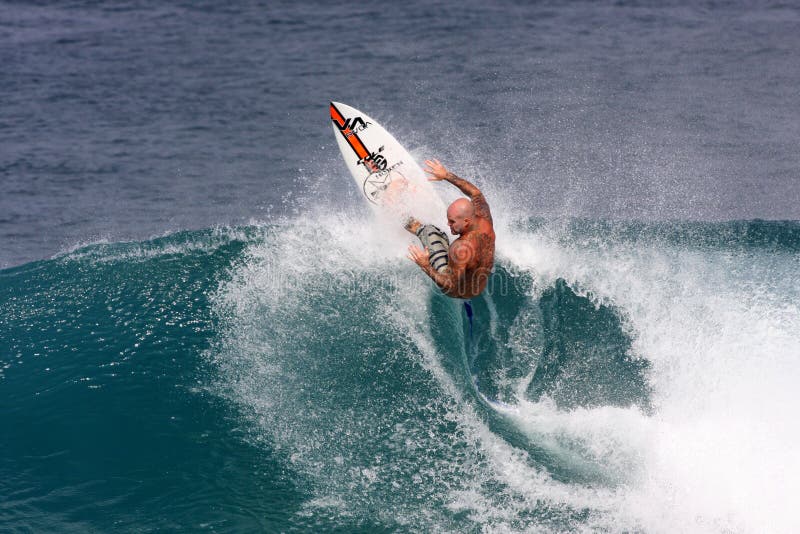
(385, 173)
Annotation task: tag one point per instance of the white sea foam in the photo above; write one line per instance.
(716, 453)
(719, 451)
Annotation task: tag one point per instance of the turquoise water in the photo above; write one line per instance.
(620, 377)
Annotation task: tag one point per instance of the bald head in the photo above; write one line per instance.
(460, 215)
(461, 208)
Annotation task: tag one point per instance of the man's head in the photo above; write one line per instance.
(459, 216)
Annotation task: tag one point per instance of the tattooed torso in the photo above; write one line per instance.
(475, 251)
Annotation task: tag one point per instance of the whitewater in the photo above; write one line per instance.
(695, 433)
(620, 377)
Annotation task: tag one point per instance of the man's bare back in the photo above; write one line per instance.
(471, 256)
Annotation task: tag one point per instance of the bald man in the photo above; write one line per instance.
(462, 269)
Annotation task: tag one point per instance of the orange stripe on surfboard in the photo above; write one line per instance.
(352, 138)
(336, 116)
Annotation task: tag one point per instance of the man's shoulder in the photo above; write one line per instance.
(473, 240)
(485, 226)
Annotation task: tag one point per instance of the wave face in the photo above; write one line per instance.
(303, 375)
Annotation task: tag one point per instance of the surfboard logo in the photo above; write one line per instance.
(378, 181)
(374, 161)
(353, 126)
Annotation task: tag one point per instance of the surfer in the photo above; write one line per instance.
(461, 270)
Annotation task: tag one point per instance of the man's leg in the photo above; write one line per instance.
(434, 240)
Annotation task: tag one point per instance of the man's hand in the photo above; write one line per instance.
(438, 173)
(419, 256)
(436, 170)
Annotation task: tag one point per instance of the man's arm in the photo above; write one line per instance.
(438, 172)
(452, 281)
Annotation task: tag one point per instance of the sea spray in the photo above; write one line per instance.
(315, 372)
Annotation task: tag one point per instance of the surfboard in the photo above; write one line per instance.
(384, 172)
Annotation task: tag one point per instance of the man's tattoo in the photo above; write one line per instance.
(481, 207)
(469, 189)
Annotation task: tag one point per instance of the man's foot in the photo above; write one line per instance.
(412, 225)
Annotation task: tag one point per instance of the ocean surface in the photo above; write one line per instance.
(204, 328)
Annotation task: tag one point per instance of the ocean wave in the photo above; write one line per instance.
(619, 376)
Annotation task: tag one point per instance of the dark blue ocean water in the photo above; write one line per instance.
(202, 330)
(125, 120)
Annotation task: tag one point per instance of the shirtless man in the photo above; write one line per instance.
(462, 269)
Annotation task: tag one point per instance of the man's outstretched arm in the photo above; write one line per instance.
(438, 172)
